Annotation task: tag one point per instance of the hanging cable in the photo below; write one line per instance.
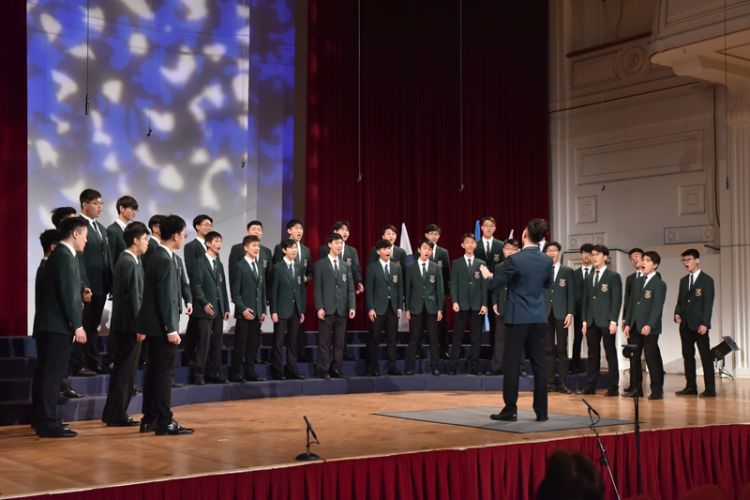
(151, 72)
(359, 90)
(86, 100)
(246, 85)
(461, 92)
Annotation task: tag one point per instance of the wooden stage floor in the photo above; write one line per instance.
(269, 433)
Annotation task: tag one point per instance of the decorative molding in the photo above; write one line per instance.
(689, 234)
(576, 240)
(586, 209)
(692, 199)
(638, 158)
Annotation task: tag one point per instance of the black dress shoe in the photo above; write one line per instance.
(336, 374)
(632, 394)
(654, 396)
(278, 377)
(394, 371)
(198, 380)
(551, 388)
(505, 416)
(84, 372)
(628, 389)
(563, 389)
(123, 423)
(611, 393)
(147, 427)
(373, 372)
(56, 432)
(177, 385)
(215, 379)
(324, 376)
(173, 429)
(72, 394)
(436, 372)
(475, 372)
(586, 391)
(236, 378)
(252, 377)
(687, 391)
(708, 394)
(295, 376)
(409, 372)
(542, 418)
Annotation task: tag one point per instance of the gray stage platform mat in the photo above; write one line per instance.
(479, 417)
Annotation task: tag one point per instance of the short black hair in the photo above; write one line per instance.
(340, 224)
(432, 227)
(61, 213)
(387, 227)
(212, 235)
(133, 231)
(635, 250)
(553, 244)
(487, 218)
(570, 475)
(154, 221)
(49, 238)
(586, 248)
(468, 235)
(288, 243)
(602, 249)
(88, 196)
(254, 223)
(71, 224)
(536, 229)
(655, 257)
(198, 220)
(381, 244)
(425, 240)
(171, 225)
(126, 201)
(333, 237)
(691, 252)
(251, 238)
(294, 222)
(513, 242)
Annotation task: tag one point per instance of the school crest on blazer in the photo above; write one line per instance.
(432, 278)
(648, 294)
(395, 278)
(265, 263)
(476, 275)
(698, 292)
(605, 287)
(343, 277)
(497, 257)
(349, 261)
(563, 282)
(440, 264)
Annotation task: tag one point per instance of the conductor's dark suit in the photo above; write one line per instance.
(525, 274)
(334, 293)
(127, 296)
(57, 317)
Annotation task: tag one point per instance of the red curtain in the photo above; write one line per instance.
(673, 462)
(416, 65)
(13, 206)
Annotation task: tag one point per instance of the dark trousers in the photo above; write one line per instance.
(443, 329)
(491, 323)
(122, 378)
(53, 351)
(189, 342)
(474, 319)
(331, 333)
(419, 323)
(208, 346)
(389, 323)
(246, 340)
(557, 350)
(650, 345)
(689, 338)
(87, 355)
(595, 336)
(157, 383)
(285, 334)
(520, 338)
(575, 357)
(498, 350)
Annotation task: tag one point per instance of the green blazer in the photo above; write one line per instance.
(333, 293)
(381, 292)
(495, 256)
(601, 305)
(248, 289)
(193, 251)
(441, 257)
(560, 298)
(209, 287)
(468, 288)
(695, 306)
(304, 257)
(127, 293)
(350, 258)
(187, 295)
(96, 261)
(287, 297)
(630, 284)
(647, 304)
(116, 243)
(424, 293)
(160, 309)
(398, 255)
(499, 294)
(266, 262)
(60, 306)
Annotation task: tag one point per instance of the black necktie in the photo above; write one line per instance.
(469, 263)
(690, 286)
(255, 269)
(387, 272)
(585, 274)
(596, 278)
(291, 270)
(336, 267)
(424, 269)
(214, 264)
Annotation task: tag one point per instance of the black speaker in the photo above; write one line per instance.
(725, 347)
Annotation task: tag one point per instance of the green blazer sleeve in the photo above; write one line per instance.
(616, 304)
(680, 296)
(273, 296)
(571, 292)
(400, 294)
(660, 296)
(407, 287)
(196, 285)
(318, 295)
(187, 296)
(440, 292)
(236, 285)
(67, 288)
(708, 302)
(352, 299)
(165, 291)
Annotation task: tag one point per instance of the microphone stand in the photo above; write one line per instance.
(307, 456)
(603, 460)
(637, 437)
